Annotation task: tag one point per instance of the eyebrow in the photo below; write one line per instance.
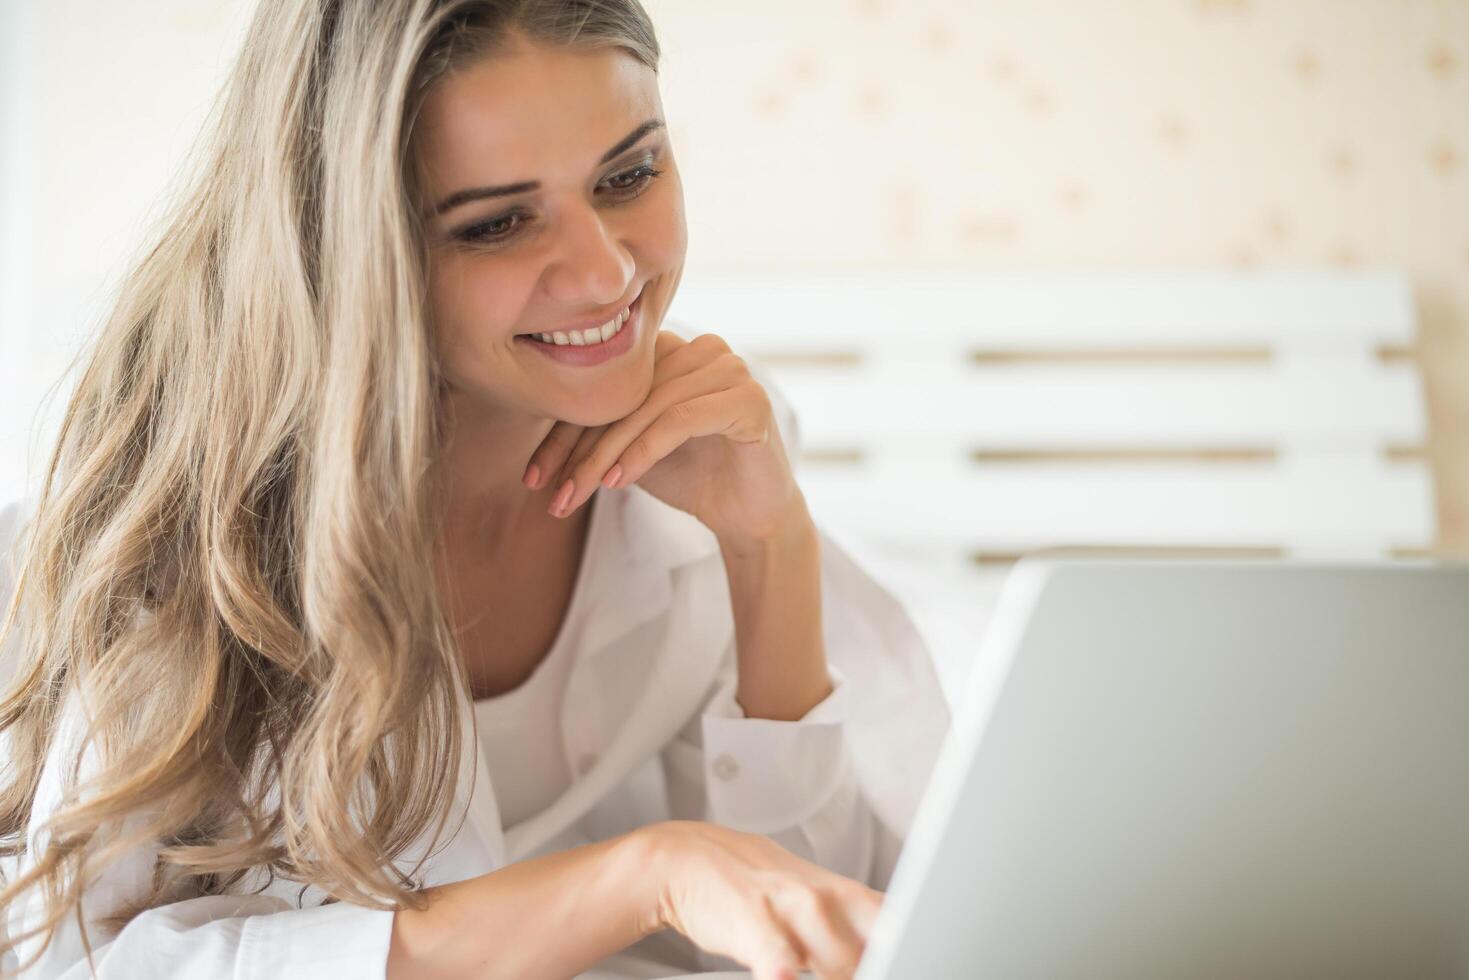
(479, 193)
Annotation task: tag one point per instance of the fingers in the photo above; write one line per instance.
(566, 442)
(551, 455)
(707, 415)
(778, 954)
(665, 343)
(702, 416)
(819, 918)
(704, 402)
(863, 906)
(756, 902)
(562, 504)
(777, 958)
(678, 356)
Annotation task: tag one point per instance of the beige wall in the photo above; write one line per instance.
(891, 136)
(107, 98)
(1072, 134)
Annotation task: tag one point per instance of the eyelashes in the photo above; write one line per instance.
(502, 228)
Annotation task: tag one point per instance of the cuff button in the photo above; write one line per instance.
(725, 767)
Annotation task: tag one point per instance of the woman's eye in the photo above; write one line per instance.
(490, 231)
(637, 178)
(624, 186)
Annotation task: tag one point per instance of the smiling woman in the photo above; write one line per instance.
(554, 202)
(401, 598)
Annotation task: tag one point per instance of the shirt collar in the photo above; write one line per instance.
(654, 534)
(635, 545)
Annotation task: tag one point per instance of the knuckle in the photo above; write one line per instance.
(710, 341)
(733, 363)
(780, 948)
(587, 466)
(638, 451)
(805, 898)
(757, 390)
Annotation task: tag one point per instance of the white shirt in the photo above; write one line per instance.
(520, 732)
(521, 741)
(651, 731)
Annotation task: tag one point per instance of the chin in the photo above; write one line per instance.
(606, 408)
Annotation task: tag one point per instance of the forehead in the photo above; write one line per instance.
(534, 113)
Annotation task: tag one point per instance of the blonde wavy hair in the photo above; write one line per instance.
(236, 541)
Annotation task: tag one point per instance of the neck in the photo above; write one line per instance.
(486, 456)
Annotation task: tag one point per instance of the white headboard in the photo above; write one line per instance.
(962, 422)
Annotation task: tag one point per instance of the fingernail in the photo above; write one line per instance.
(532, 474)
(613, 475)
(563, 497)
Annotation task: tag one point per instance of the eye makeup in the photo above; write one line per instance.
(622, 186)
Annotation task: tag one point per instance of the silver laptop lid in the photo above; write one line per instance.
(1173, 769)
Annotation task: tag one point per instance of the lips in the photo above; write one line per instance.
(590, 355)
(536, 334)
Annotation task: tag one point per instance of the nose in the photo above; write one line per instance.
(590, 266)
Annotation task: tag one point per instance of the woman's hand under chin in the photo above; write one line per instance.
(705, 440)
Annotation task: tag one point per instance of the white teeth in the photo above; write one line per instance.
(592, 335)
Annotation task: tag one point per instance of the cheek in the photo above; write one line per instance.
(667, 239)
(663, 251)
(473, 302)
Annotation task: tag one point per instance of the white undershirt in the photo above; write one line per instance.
(520, 734)
(520, 730)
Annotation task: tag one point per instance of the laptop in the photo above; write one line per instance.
(1169, 769)
(1187, 769)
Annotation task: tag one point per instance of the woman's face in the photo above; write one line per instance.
(593, 235)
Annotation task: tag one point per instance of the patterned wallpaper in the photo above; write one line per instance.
(1072, 135)
(900, 135)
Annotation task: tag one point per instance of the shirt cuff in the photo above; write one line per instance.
(764, 775)
(833, 707)
(339, 939)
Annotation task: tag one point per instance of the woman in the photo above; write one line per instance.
(372, 620)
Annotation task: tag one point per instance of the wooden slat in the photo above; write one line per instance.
(1019, 508)
(1399, 453)
(1125, 356)
(1112, 456)
(1102, 456)
(1396, 354)
(989, 559)
(835, 355)
(1139, 406)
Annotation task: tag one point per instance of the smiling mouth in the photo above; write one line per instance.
(590, 337)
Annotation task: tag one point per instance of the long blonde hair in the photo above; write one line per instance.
(233, 553)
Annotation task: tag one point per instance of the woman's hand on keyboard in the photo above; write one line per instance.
(744, 896)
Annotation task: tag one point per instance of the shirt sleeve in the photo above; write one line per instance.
(792, 781)
(259, 937)
(256, 936)
(225, 936)
(839, 786)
